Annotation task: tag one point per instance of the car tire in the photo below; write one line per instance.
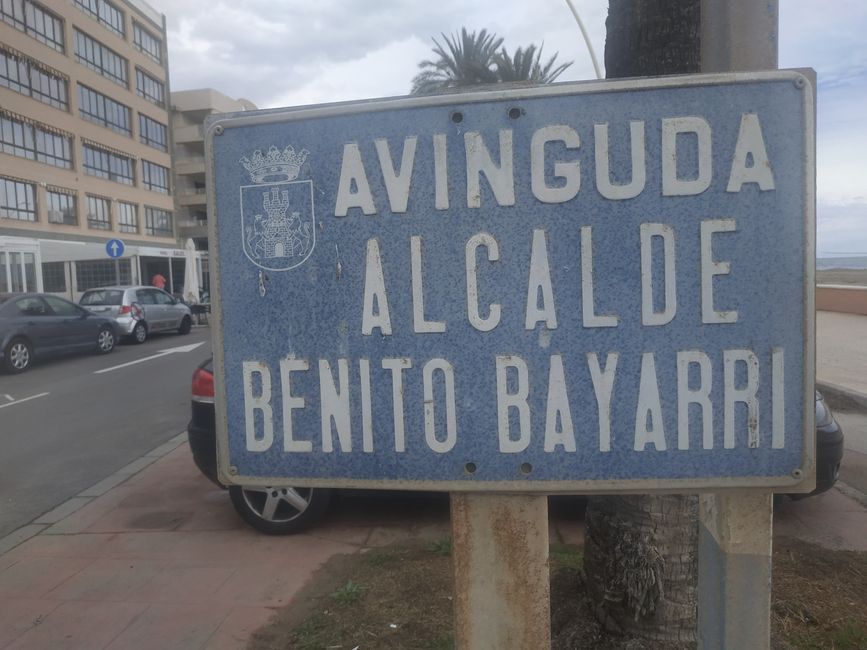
(186, 325)
(279, 510)
(105, 341)
(18, 355)
(139, 332)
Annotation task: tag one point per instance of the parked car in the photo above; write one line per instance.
(139, 311)
(272, 510)
(282, 510)
(37, 324)
(829, 449)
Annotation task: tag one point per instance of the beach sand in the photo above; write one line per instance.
(842, 276)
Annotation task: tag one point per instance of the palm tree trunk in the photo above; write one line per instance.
(641, 552)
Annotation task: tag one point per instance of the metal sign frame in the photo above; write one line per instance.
(801, 480)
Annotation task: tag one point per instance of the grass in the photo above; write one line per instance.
(406, 602)
(348, 593)
(441, 547)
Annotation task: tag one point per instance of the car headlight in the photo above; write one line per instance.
(823, 413)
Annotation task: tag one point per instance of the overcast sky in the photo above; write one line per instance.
(294, 52)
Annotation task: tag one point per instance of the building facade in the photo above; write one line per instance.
(85, 145)
(189, 110)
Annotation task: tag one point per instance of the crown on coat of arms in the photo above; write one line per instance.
(276, 165)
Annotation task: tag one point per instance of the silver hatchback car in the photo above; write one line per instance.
(139, 311)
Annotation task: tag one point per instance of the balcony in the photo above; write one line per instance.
(192, 198)
(189, 134)
(190, 166)
(193, 228)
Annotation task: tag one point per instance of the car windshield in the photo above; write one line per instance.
(102, 297)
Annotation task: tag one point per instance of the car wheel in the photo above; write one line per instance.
(105, 341)
(139, 332)
(279, 510)
(186, 325)
(18, 355)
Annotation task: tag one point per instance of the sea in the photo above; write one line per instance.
(841, 262)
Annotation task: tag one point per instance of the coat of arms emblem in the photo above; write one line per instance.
(278, 222)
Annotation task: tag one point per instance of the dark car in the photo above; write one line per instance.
(273, 510)
(829, 449)
(283, 509)
(36, 325)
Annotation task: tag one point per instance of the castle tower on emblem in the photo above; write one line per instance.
(284, 238)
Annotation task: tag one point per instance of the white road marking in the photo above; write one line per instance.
(9, 397)
(161, 353)
(23, 399)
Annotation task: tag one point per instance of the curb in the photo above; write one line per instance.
(843, 394)
(44, 523)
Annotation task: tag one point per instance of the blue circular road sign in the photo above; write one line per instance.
(114, 247)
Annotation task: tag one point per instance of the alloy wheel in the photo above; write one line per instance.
(105, 341)
(19, 356)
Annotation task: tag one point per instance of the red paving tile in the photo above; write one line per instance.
(108, 579)
(36, 576)
(236, 629)
(79, 626)
(172, 627)
(180, 584)
(18, 615)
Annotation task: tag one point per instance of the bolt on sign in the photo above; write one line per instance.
(577, 287)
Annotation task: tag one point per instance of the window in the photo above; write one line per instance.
(32, 306)
(32, 19)
(105, 13)
(62, 207)
(34, 142)
(127, 217)
(33, 79)
(101, 59)
(17, 200)
(152, 133)
(107, 164)
(101, 273)
(99, 109)
(98, 213)
(158, 222)
(54, 277)
(154, 177)
(146, 42)
(62, 307)
(151, 89)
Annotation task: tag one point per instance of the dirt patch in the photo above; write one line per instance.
(400, 597)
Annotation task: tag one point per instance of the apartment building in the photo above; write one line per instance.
(188, 113)
(85, 145)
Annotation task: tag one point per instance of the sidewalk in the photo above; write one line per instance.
(162, 561)
(841, 353)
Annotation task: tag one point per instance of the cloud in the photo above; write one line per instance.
(842, 228)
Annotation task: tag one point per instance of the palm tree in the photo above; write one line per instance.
(526, 65)
(474, 58)
(467, 60)
(641, 552)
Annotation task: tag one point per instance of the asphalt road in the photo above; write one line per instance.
(68, 423)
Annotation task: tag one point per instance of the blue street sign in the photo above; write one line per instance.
(114, 248)
(602, 286)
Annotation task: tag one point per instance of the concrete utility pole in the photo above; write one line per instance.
(735, 529)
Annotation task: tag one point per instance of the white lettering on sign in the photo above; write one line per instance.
(541, 292)
(518, 426)
(750, 164)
